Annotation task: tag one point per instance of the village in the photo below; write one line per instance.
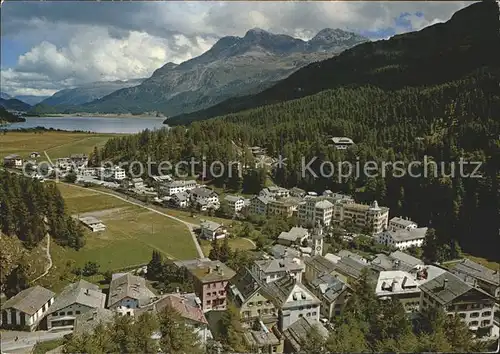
(295, 283)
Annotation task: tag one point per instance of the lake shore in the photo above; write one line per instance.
(108, 115)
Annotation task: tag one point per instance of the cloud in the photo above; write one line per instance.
(76, 42)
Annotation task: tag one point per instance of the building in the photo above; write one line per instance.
(88, 320)
(316, 240)
(174, 187)
(450, 293)
(79, 160)
(211, 230)
(399, 285)
(138, 183)
(117, 173)
(92, 223)
(34, 155)
(487, 279)
(263, 341)
(280, 251)
(398, 223)
(273, 269)
(258, 205)
(333, 293)
(314, 210)
(26, 309)
(181, 199)
(128, 292)
(189, 308)
(211, 280)
(403, 238)
(297, 192)
(258, 151)
(235, 202)
(340, 142)
(296, 334)
(204, 197)
(296, 236)
(317, 266)
(293, 300)
(348, 254)
(368, 218)
(247, 295)
(395, 261)
(75, 299)
(285, 207)
(13, 161)
(275, 192)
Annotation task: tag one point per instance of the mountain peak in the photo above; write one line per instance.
(256, 31)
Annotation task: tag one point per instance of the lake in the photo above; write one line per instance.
(91, 124)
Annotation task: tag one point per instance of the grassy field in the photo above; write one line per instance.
(56, 144)
(80, 200)
(235, 244)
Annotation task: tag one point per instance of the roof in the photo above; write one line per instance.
(29, 300)
(396, 282)
(182, 303)
(329, 286)
(81, 292)
(406, 258)
(87, 321)
(297, 190)
(349, 254)
(454, 288)
(233, 198)
(262, 199)
(90, 220)
(260, 338)
(210, 225)
(279, 265)
(350, 267)
(137, 180)
(323, 204)
(128, 285)
(210, 271)
(477, 271)
(12, 157)
(289, 202)
(295, 233)
(297, 332)
(408, 235)
(280, 251)
(341, 140)
(180, 183)
(280, 291)
(403, 222)
(320, 263)
(182, 196)
(202, 192)
(245, 285)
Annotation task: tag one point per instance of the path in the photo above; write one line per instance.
(48, 159)
(190, 226)
(251, 241)
(49, 257)
(27, 340)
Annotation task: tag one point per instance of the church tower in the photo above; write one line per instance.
(317, 240)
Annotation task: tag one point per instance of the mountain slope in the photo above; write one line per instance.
(425, 57)
(13, 104)
(233, 66)
(5, 96)
(87, 93)
(6, 116)
(30, 99)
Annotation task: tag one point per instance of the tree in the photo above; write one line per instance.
(224, 209)
(70, 177)
(430, 246)
(176, 336)
(155, 266)
(215, 250)
(90, 268)
(314, 341)
(17, 280)
(225, 251)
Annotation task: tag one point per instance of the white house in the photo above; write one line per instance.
(399, 223)
(211, 230)
(341, 142)
(181, 199)
(118, 173)
(138, 183)
(274, 192)
(174, 187)
(296, 236)
(75, 299)
(94, 224)
(127, 292)
(204, 197)
(402, 238)
(293, 300)
(13, 161)
(27, 308)
(236, 203)
(313, 209)
(273, 269)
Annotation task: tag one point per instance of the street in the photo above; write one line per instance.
(26, 340)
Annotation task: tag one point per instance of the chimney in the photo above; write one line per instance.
(94, 315)
(209, 270)
(177, 290)
(445, 283)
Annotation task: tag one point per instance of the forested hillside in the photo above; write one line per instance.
(435, 55)
(6, 116)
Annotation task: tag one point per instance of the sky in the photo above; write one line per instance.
(48, 46)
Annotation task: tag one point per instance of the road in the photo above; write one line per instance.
(49, 257)
(129, 200)
(26, 340)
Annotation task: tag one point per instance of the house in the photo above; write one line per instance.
(399, 223)
(296, 236)
(188, 306)
(235, 203)
(457, 298)
(204, 197)
(115, 173)
(246, 293)
(78, 160)
(348, 254)
(371, 219)
(405, 260)
(75, 299)
(296, 334)
(26, 309)
(280, 251)
(293, 300)
(258, 205)
(275, 192)
(87, 321)
(263, 341)
(13, 161)
(258, 151)
(210, 280)
(340, 142)
(211, 230)
(285, 207)
(94, 224)
(403, 238)
(181, 199)
(350, 268)
(297, 192)
(174, 187)
(313, 210)
(128, 292)
(138, 183)
(317, 266)
(273, 269)
(487, 279)
(333, 293)
(399, 285)
(34, 155)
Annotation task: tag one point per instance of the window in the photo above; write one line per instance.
(314, 313)
(462, 315)
(214, 293)
(486, 314)
(474, 323)
(301, 315)
(70, 313)
(308, 314)
(485, 323)
(474, 314)
(208, 302)
(61, 313)
(77, 312)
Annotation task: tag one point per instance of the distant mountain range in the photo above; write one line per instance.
(29, 99)
(234, 66)
(13, 104)
(425, 57)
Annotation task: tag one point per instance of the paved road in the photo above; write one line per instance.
(129, 200)
(49, 257)
(27, 340)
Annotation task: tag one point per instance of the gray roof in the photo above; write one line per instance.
(294, 234)
(260, 338)
(350, 267)
(179, 183)
(329, 286)
(137, 180)
(407, 259)
(12, 157)
(81, 292)
(88, 321)
(297, 191)
(182, 196)
(403, 222)
(349, 254)
(341, 140)
(210, 271)
(324, 204)
(320, 263)
(280, 290)
(278, 265)
(90, 220)
(297, 332)
(245, 285)
(210, 225)
(477, 271)
(262, 199)
(202, 192)
(233, 198)
(454, 288)
(128, 285)
(29, 300)
(408, 235)
(279, 251)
